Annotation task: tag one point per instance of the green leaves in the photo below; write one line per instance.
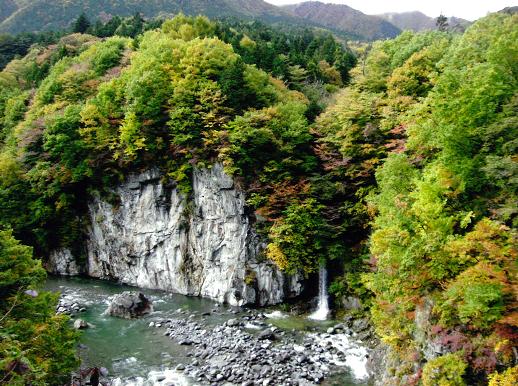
(432, 234)
(298, 240)
(32, 335)
(446, 370)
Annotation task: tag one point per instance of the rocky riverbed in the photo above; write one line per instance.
(232, 353)
(187, 341)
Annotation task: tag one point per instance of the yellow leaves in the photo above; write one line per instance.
(275, 254)
(489, 241)
(331, 73)
(247, 43)
(446, 370)
(507, 378)
(188, 28)
(207, 57)
(10, 170)
(130, 135)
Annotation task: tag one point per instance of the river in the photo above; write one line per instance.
(138, 352)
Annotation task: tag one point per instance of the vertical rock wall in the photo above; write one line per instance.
(154, 238)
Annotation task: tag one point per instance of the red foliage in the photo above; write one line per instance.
(455, 341)
(437, 329)
(414, 379)
(330, 157)
(484, 360)
(280, 196)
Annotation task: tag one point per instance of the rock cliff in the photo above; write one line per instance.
(154, 238)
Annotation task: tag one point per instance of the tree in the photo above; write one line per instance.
(442, 23)
(37, 346)
(81, 25)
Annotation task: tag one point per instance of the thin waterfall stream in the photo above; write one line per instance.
(322, 312)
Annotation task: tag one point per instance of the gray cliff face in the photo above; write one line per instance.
(154, 238)
(62, 262)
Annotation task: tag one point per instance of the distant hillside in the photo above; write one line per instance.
(418, 21)
(7, 8)
(344, 19)
(37, 15)
(43, 15)
(510, 10)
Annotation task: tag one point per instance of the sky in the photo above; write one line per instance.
(466, 9)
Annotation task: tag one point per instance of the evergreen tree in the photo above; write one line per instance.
(82, 24)
(442, 23)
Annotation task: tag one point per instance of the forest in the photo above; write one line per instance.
(395, 163)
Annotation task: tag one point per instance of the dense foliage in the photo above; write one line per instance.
(37, 346)
(177, 97)
(423, 142)
(445, 224)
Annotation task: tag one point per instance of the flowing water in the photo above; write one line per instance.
(322, 311)
(131, 348)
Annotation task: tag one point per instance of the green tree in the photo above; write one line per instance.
(81, 24)
(36, 346)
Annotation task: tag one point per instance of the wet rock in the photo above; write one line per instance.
(351, 303)
(360, 325)
(80, 324)
(62, 262)
(233, 323)
(231, 355)
(267, 335)
(129, 305)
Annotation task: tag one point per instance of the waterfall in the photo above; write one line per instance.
(322, 311)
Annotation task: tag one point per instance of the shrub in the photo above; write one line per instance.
(476, 297)
(37, 347)
(446, 370)
(508, 378)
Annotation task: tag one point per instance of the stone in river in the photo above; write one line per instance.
(80, 324)
(129, 305)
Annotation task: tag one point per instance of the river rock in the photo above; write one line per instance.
(360, 325)
(233, 322)
(267, 335)
(80, 324)
(129, 305)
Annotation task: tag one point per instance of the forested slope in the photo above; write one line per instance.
(47, 15)
(340, 17)
(441, 263)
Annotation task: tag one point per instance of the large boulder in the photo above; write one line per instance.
(129, 305)
(80, 324)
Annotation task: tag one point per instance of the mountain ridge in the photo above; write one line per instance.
(418, 21)
(42, 15)
(344, 18)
